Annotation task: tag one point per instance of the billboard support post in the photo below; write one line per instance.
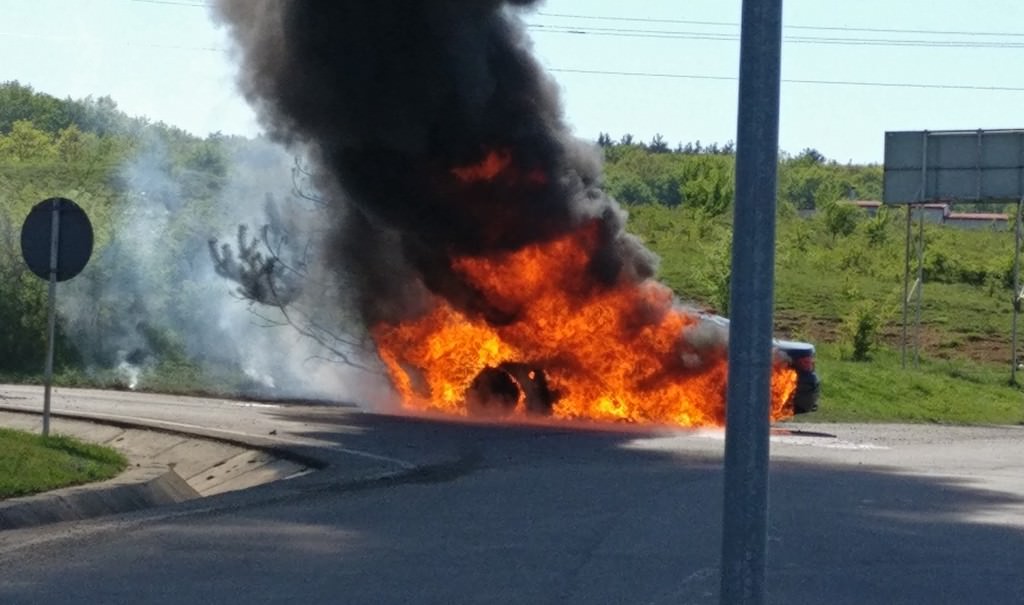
(1016, 292)
(919, 290)
(906, 288)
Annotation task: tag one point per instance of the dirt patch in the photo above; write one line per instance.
(934, 341)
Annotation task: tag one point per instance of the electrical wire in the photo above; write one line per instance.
(725, 37)
(713, 36)
(807, 27)
(646, 74)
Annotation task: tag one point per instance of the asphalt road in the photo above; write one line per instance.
(468, 513)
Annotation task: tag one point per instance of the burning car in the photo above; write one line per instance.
(800, 357)
(501, 390)
(469, 226)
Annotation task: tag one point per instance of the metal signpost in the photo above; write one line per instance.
(56, 242)
(745, 509)
(946, 166)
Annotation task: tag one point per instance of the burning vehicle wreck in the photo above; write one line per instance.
(469, 226)
(800, 356)
(515, 388)
(509, 387)
(512, 388)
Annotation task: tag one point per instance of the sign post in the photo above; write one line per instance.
(745, 508)
(56, 242)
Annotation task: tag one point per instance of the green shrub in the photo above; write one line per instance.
(717, 274)
(860, 331)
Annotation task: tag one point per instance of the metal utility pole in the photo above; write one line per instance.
(745, 510)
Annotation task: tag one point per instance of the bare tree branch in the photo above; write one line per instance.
(272, 271)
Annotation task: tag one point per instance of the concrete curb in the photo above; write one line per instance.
(157, 479)
(85, 502)
(277, 448)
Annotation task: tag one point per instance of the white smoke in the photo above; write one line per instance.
(151, 293)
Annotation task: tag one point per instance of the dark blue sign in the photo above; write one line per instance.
(74, 245)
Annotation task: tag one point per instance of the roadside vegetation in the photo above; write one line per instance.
(839, 272)
(30, 464)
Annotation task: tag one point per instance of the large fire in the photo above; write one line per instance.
(440, 143)
(620, 352)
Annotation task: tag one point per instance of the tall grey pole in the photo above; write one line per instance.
(51, 320)
(745, 508)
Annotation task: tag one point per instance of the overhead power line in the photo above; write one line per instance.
(730, 37)
(647, 74)
(652, 33)
(596, 72)
(732, 24)
(890, 30)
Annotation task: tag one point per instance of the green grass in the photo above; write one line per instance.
(31, 464)
(946, 392)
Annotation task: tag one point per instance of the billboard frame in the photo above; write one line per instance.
(953, 166)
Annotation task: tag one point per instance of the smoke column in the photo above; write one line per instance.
(391, 97)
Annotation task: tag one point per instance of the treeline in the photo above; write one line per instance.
(701, 177)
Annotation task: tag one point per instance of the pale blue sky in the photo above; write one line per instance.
(165, 59)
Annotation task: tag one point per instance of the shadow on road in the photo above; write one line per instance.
(544, 515)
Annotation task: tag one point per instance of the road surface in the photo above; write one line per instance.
(470, 513)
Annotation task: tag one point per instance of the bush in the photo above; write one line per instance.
(841, 219)
(716, 277)
(860, 331)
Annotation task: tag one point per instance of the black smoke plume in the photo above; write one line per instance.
(391, 97)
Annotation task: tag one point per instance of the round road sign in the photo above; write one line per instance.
(74, 246)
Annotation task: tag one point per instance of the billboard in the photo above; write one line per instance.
(954, 166)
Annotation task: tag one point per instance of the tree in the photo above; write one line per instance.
(810, 156)
(261, 278)
(717, 276)
(21, 103)
(658, 144)
(841, 219)
(27, 144)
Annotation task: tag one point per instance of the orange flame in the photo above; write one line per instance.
(493, 164)
(623, 352)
